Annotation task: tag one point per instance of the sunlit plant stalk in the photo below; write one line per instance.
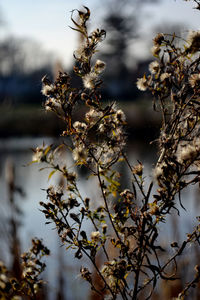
(126, 219)
(98, 142)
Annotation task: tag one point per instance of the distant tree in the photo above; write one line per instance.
(19, 56)
(22, 63)
(121, 22)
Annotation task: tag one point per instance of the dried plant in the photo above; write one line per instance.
(127, 220)
(122, 227)
(28, 286)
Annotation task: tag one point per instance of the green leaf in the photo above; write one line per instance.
(68, 247)
(114, 182)
(32, 162)
(51, 174)
(47, 150)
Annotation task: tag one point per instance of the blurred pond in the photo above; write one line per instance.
(33, 184)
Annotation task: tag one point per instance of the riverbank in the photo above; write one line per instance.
(30, 120)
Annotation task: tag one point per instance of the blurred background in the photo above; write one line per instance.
(35, 39)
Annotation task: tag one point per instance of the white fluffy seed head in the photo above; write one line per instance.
(154, 67)
(89, 80)
(142, 84)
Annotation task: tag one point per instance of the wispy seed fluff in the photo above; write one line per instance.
(154, 67)
(194, 80)
(120, 116)
(127, 194)
(79, 153)
(46, 89)
(142, 84)
(164, 76)
(158, 171)
(92, 116)
(89, 80)
(99, 66)
(95, 236)
(155, 50)
(52, 103)
(83, 52)
(38, 154)
(188, 152)
(193, 41)
(159, 38)
(79, 126)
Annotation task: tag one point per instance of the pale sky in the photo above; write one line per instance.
(46, 21)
